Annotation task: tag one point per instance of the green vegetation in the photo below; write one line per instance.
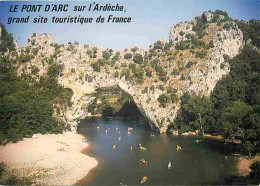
(228, 26)
(193, 43)
(6, 41)
(100, 62)
(10, 178)
(92, 53)
(164, 99)
(26, 105)
(54, 70)
(233, 110)
(107, 54)
(95, 67)
(217, 14)
(189, 64)
(159, 70)
(201, 54)
(202, 23)
(251, 30)
(138, 58)
(139, 73)
(23, 58)
(108, 101)
(114, 59)
(158, 45)
(128, 56)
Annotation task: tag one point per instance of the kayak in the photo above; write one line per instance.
(143, 161)
(169, 165)
(178, 147)
(143, 179)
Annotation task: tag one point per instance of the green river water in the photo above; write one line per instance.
(200, 163)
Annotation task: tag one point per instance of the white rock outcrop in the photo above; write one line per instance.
(79, 76)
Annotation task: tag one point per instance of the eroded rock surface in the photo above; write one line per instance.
(184, 69)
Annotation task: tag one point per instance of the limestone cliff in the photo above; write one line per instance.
(193, 60)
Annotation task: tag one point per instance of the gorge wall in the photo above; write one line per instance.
(193, 60)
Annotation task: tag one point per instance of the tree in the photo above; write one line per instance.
(158, 45)
(138, 58)
(174, 97)
(108, 112)
(128, 56)
(163, 99)
(6, 40)
(106, 55)
(95, 67)
(248, 147)
(54, 70)
(235, 115)
(197, 107)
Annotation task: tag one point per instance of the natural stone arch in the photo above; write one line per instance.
(79, 75)
(82, 97)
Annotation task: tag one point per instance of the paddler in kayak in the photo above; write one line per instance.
(143, 161)
(143, 179)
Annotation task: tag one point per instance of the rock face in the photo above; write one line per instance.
(195, 74)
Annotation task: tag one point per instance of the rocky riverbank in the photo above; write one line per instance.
(49, 159)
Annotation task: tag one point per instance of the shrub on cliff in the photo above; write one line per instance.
(138, 58)
(54, 70)
(251, 30)
(201, 54)
(128, 56)
(158, 45)
(106, 54)
(163, 99)
(96, 67)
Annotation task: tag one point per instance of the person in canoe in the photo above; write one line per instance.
(130, 128)
(144, 179)
(169, 165)
(131, 147)
(114, 146)
(143, 161)
(142, 148)
(178, 148)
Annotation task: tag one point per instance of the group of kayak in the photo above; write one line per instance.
(142, 148)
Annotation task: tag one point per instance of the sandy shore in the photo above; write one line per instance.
(49, 159)
(243, 165)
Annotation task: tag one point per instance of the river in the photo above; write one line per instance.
(195, 164)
